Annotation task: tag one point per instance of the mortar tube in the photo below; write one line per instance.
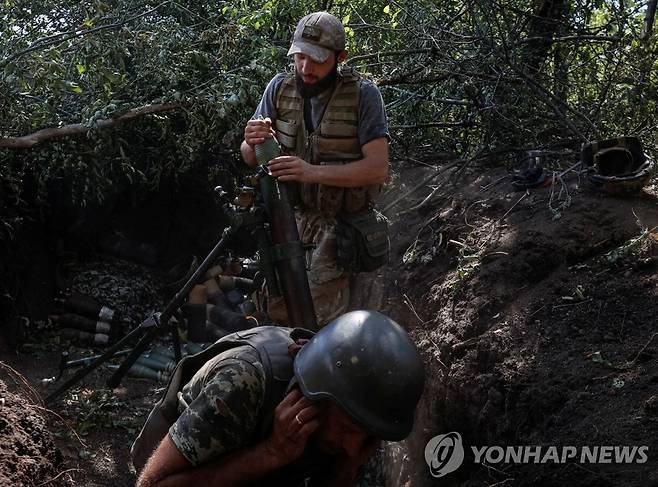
(290, 269)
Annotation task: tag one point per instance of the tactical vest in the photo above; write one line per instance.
(335, 141)
(271, 344)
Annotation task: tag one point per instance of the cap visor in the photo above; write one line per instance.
(317, 53)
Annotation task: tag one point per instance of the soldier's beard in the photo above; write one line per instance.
(309, 90)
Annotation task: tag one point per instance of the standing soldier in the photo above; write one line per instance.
(332, 127)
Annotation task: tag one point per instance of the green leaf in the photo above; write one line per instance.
(387, 9)
(73, 86)
(346, 19)
(81, 68)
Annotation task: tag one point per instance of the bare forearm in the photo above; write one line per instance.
(241, 468)
(363, 172)
(372, 169)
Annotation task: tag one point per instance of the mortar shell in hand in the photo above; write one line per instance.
(267, 151)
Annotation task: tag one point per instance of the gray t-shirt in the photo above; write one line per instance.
(372, 114)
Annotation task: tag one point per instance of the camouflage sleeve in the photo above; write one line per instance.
(223, 416)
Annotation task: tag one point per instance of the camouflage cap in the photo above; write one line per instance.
(318, 35)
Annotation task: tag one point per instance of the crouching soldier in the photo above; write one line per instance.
(278, 406)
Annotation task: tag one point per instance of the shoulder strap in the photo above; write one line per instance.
(287, 97)
(343, 106)
(278, 365)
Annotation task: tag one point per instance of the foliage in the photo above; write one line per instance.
(467, 78)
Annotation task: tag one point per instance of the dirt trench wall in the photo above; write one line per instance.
(531, 330)
(29, 454)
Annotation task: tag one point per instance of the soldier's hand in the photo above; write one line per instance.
(295, 418)
(292, 168)
(257, 131)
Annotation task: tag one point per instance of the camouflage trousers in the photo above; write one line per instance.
(329, 283)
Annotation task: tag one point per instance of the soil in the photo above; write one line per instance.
(534, 313)
(27, 446)
(537, 321)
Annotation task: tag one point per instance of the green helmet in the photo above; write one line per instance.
(618, 165)
(368, 365)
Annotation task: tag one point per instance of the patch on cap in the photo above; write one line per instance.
(312, 33)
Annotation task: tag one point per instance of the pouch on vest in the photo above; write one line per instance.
(362, 242)
(329, 199)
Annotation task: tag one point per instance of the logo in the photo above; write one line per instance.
(444, 454)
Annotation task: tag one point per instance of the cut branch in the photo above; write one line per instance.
(27, 141)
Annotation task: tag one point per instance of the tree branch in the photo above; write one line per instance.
(582, 37)
(27, 141)
(430, 125)
(554, 101)
(649, 19)
(377, 55)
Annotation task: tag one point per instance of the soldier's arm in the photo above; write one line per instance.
(167, 467)
(372, 169)
(209, 443)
